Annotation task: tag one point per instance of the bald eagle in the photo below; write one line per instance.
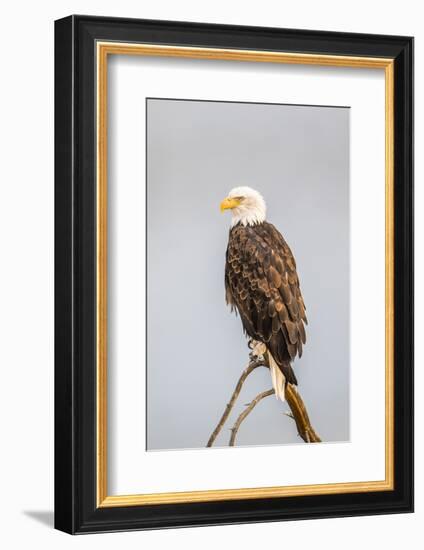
(261, 283)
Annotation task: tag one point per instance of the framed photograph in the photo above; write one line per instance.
(234, 274)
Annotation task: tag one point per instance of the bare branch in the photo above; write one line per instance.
(300, 415)
(297, 407)
(247, 411)
(253, 364)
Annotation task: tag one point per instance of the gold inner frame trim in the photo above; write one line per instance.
(104, 49)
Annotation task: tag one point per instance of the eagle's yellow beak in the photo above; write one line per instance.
(229, 203)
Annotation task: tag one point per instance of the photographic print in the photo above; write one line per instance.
(234, 268)
(247, 274)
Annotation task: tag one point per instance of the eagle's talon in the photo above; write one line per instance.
(258, 349)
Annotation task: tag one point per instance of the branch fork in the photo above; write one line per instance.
(259, 358)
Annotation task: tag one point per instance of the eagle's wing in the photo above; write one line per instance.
(262, 282)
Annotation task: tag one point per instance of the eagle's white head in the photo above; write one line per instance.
(247, 206)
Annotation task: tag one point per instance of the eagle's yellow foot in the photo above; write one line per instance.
(258, 348)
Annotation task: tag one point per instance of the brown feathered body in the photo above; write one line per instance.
(262, 284)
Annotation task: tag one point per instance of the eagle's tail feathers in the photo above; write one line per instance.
(278, 379)
(280, 376)
(289, 374)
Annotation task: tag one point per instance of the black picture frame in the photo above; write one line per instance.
(76, 510)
